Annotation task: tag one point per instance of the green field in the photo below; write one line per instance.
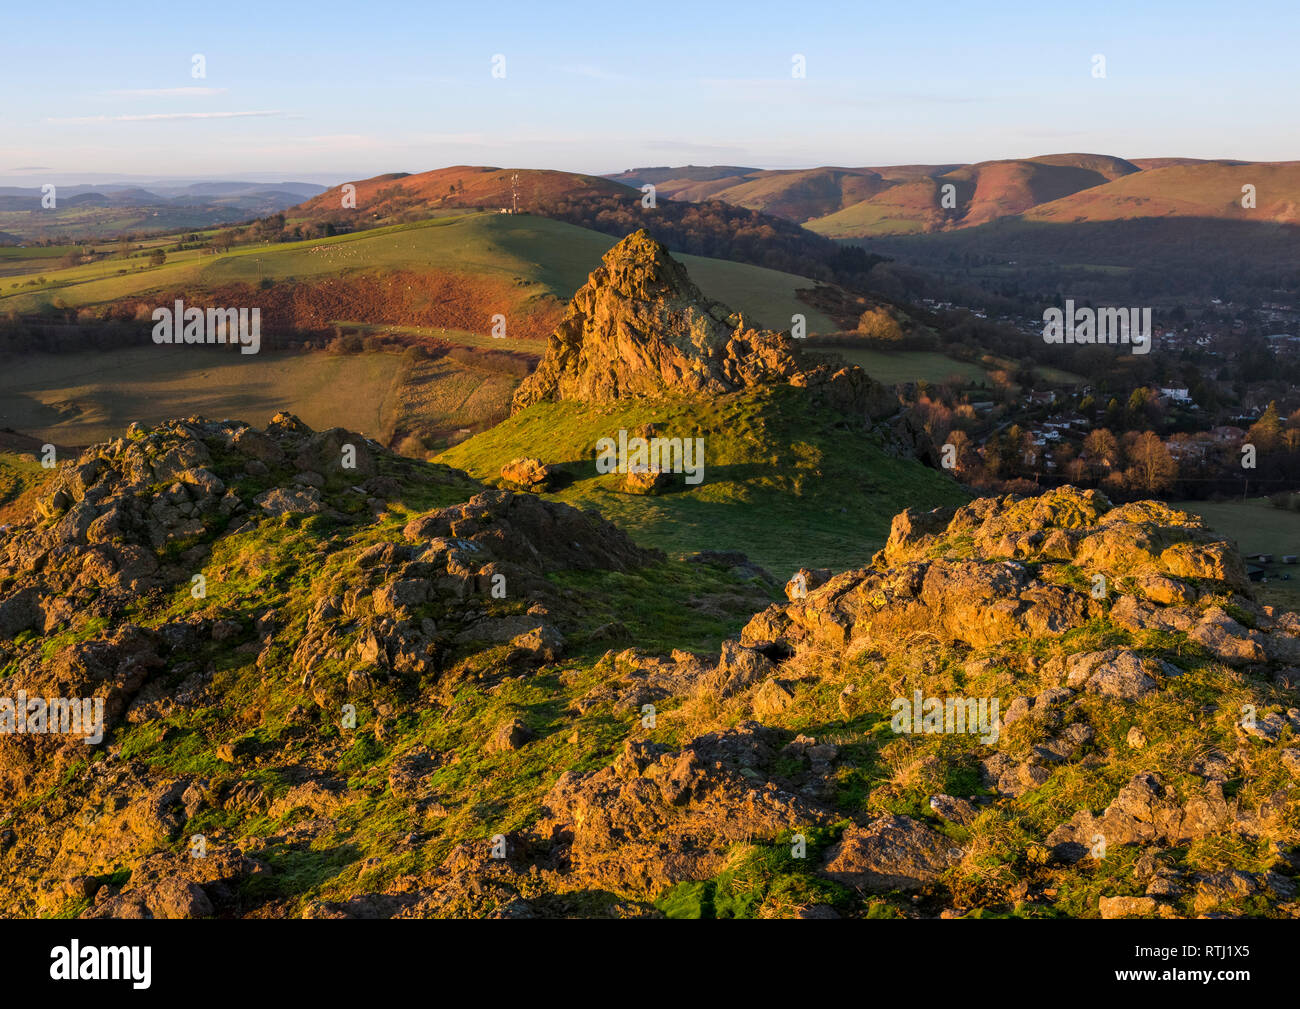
(80, 398)
(786, 484)
(893, 367)
(868, 218)
(1259, 528)
(523, 250)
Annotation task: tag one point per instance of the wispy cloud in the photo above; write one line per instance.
(166, 92)
(30, 168)
(160, 117)
(592, 72)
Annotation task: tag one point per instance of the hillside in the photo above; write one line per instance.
(326, 681)
(795, 195)
(982, 193)
(475, 187)
(1206, 190)
(349, 721)
(501, 263)
(848, 203)
(787, 440)
(435, 285)
(909, 207)
(102, 212)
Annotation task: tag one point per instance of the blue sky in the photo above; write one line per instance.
(333, 91)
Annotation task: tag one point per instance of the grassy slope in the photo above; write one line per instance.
(904, 209)
(1205, 190)
(524, 250)
(288, 565)
(80, 398)
(782, 482)
(21, 477)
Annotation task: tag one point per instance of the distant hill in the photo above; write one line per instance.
(1145, 163)
(1206, 189)
(1103, 164)
(982, 193)
(845, 203)
(458, 187)
(637, 177)
(108, 210)
(793, 194)
(902, 209)
(713, 228)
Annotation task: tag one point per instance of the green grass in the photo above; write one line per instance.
(527, 251)
(1256, 527)
(894, 367)
(17, 474)
(868, 218)
(761, 881)
(783, 482)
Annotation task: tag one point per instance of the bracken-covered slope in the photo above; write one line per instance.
(396, 694)
(459, 186)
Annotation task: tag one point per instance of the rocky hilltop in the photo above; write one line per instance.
(338, 683)
(640, 327)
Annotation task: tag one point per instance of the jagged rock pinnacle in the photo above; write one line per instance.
(641, 327)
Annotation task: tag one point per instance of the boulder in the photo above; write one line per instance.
(508, 736)
(890, 853)
(528, 473)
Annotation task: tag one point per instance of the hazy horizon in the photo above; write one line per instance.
(334, 178)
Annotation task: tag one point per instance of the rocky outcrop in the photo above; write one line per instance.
(658, 816)
(640, 327)
(416, 667)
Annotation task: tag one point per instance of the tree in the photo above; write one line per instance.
(1266, 433)
(965, 457)
(1142, 407)
(995, 455)
(1152, 470)
(879, 324)
(157, 257)
(1102, 451)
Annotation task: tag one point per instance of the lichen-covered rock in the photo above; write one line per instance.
(890, 853)
(528, 473)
